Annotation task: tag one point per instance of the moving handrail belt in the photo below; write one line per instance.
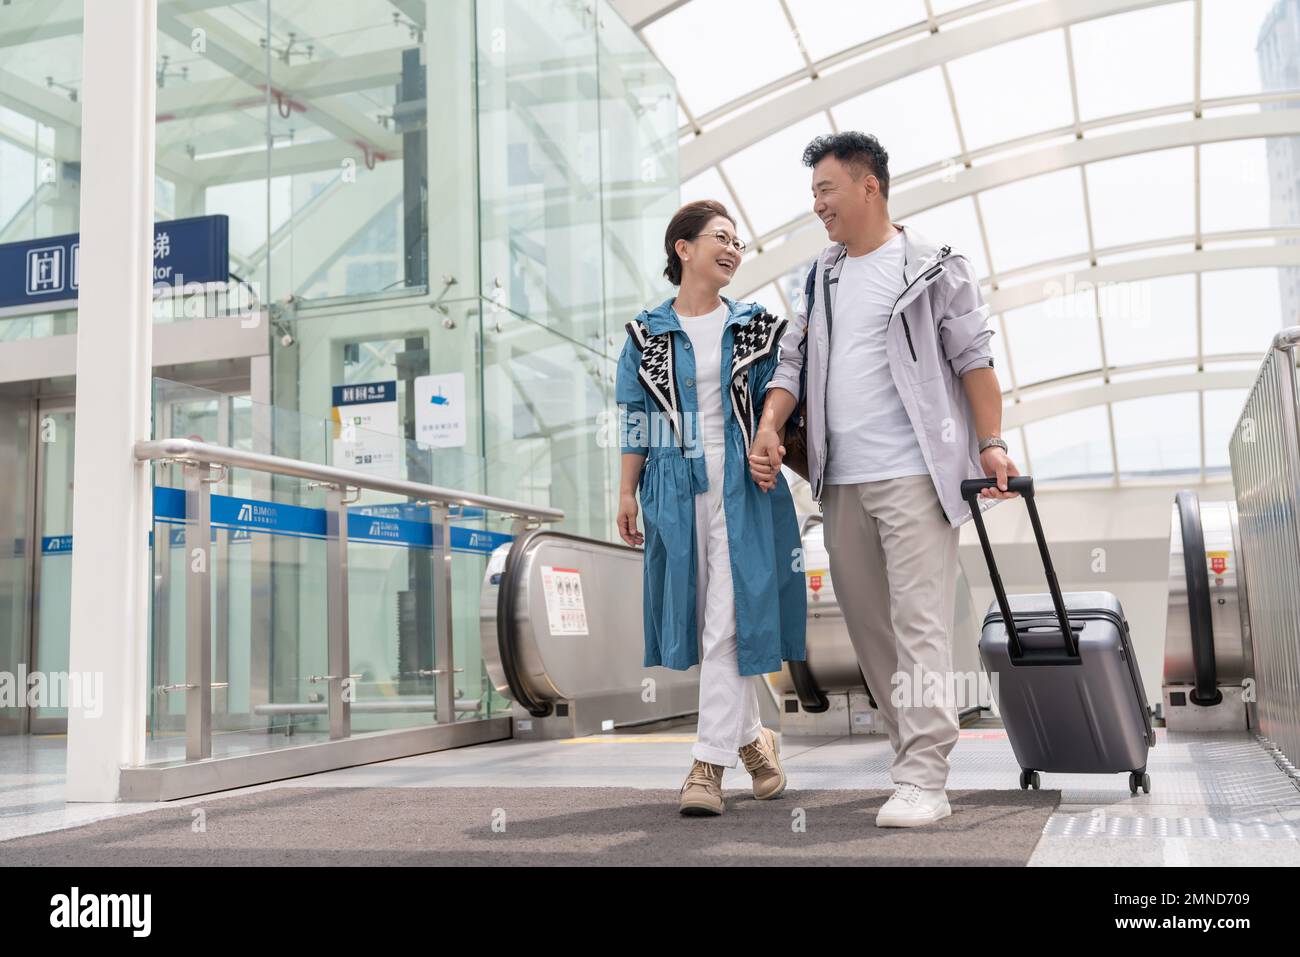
(1206, 690)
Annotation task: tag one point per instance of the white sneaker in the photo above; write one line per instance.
(913, 805)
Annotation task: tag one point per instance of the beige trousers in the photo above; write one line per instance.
(893, 560)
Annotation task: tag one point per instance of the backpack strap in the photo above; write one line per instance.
(810, 297)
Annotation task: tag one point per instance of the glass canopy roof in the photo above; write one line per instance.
(1124, 175)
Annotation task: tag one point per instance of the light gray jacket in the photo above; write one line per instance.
(938, 331)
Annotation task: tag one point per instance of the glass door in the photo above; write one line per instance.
(17, 507)
(52, 554)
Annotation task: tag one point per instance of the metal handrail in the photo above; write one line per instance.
(188, 450)
(198, 460)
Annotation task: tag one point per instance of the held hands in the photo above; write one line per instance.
(765, 456)
(627, 510)
(995, 462)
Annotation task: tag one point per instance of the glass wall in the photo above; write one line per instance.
(305, 124)
(554, 174)
(40, 140)
(269, 580)
(578, 176)
(444, 212)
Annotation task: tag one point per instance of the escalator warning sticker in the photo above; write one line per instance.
(565, 610)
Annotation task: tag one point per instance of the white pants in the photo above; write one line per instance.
(728, 701)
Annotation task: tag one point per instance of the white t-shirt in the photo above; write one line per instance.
(869, 434)
(705, 333)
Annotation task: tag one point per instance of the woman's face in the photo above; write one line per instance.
(708, 260)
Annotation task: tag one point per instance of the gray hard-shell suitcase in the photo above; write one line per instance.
(1065, 680)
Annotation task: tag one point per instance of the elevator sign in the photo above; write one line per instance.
(48, 271)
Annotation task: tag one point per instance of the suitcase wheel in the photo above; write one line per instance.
(1029, 779)
(1138, 779)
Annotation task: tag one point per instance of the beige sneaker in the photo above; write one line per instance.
(764, 765)
(702, 792)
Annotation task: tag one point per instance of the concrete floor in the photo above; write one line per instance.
(1216, 798)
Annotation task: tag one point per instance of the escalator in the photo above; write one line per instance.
(1208, 660)
(560, 626)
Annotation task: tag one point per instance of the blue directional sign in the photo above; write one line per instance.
(400, 524)
(48, 270)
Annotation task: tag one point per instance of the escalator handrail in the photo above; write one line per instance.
(1204, 665)
(507, 636)
(811, 698)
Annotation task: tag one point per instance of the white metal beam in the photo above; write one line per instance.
(1015, 415)
(109, 624)
(641, 13)
(1204, 260)
(37, 102)
(48, 19)
(758, 271)
(308, 81)
(245, 61)
(828, 89)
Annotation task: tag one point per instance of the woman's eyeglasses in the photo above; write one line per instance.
(725, 240)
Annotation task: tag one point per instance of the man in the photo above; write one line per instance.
(901, 405)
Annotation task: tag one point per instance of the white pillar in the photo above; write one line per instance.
(111, 508)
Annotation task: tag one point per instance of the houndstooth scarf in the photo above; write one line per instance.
(751, 342)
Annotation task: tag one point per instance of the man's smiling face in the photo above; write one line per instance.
(840, 201)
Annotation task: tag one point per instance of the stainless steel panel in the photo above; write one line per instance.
(339, 680)
(444, 679)
(830, 655)
(169, 782)
(1217, 519)
(1265, 453)
(603, 665)
(198, 613)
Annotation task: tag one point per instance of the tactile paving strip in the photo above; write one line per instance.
(1219, 827)
(1185, 768)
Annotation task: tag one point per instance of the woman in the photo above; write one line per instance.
(724, 584)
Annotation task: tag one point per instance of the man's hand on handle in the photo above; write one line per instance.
(765, 456)
(997, 464)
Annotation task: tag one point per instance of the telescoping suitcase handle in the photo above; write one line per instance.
(1023, 484)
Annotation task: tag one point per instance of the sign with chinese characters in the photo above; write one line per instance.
(366, 428)
(440, 410)
(565, 611)
(48, 271)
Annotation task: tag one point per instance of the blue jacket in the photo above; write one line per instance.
(658, 409)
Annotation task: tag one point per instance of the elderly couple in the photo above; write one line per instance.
(888, 363)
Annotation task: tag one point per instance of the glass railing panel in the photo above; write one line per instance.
(270, 579)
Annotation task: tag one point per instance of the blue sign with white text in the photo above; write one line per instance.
(365, 393)
(48, 270)
(393, 524)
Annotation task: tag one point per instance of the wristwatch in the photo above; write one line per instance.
(992, 441)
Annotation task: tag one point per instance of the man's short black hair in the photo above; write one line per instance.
(861, 152)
